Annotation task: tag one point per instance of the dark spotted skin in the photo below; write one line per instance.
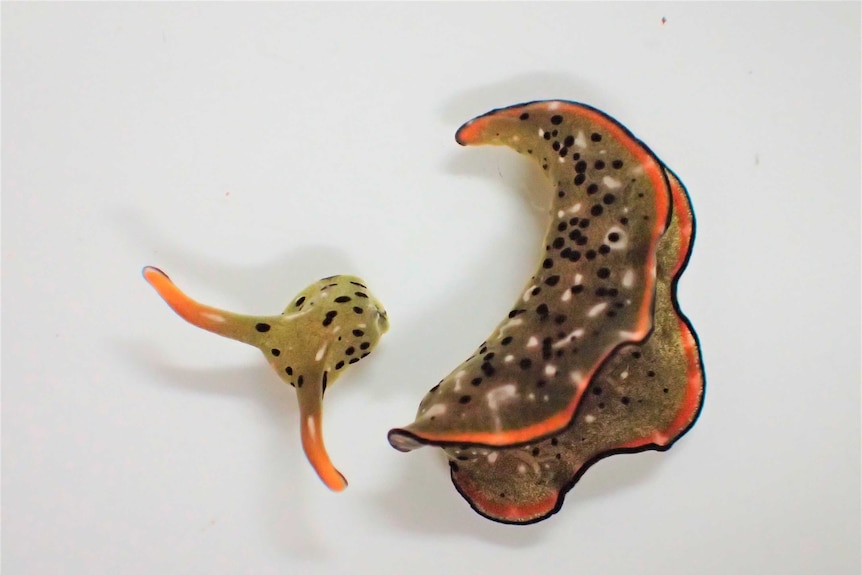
(337, 312)
(332, 324)
(620, 234)
(592, 290)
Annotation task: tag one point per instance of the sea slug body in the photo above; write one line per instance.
(595, 357)
(329, 326)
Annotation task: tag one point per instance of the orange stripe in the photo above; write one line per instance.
(504, 438)
(187, 308)
(511, 512)
(312, 444)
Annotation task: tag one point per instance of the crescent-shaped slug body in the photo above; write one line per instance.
(327, 327)
(594, 358)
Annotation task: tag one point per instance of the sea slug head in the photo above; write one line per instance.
(330, 325)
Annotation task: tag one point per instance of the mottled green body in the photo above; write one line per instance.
(332, 324)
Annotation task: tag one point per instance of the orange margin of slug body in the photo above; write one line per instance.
(468, 135)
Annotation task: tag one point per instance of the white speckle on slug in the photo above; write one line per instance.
(436, 409)
(575, 209)
(590, 418)
(597, 309)
(497, 396)
(569, 338)
(459, 377)
(611, 183)
(533, 341)
(550, 370)
(581, 141)
(510, 324)
(629, 278)
(620, 242)
(319, 355)
(213, 317)
(492, 457)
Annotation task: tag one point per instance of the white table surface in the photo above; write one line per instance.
(251, 149)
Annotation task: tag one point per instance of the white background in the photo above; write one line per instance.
(249, 150)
